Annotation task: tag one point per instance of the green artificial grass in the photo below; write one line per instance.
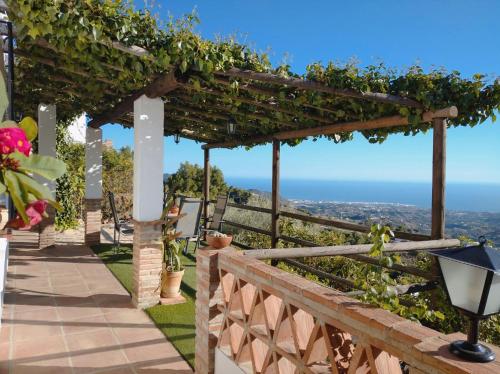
(177, 322)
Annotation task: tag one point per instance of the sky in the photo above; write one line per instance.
(457, 35)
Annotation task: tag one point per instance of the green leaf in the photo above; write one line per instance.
(29, 127)
(16, 193)
(45, 166)
(8, 124)
(4, 99)
(3, 188)
(38, 190)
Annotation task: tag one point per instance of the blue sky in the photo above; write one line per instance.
(458, 35)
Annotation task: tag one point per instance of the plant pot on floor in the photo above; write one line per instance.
(171, 283)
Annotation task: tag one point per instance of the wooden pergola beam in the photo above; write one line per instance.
(159, 87)
(269, 93)
(378, 123)
(259, 104)
(308, 85)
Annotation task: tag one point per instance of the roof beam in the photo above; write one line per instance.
(307, 85)
(159, 87)
(378, 123)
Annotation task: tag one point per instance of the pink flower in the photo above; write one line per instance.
(14, 139)
(34, 211)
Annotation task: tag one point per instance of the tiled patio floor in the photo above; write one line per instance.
(66, 313)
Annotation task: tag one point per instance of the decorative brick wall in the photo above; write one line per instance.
(93, 217)
(147, 263)
(208, 320)
(46, 230)
(274, 321)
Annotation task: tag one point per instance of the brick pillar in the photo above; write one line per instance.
(46, 229)
(92, 221)
(147, 263)
(208, 295)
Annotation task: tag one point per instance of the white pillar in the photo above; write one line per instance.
(148, 158)
(148, 200)
(47, 136)
(93, 164)
(93, 185)
(47, 147)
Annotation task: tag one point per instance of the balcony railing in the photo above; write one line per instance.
(252, 317)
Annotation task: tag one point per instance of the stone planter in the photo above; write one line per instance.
(4, 258)
(171, 283)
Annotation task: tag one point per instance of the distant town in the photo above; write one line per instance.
(408, 217)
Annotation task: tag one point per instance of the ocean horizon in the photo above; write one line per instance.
(476, 197)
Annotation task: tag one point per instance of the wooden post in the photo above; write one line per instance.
(206, 186)
(275, 231)
(438, 178)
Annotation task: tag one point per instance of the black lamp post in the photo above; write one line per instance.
(177, 138)
(472, 280)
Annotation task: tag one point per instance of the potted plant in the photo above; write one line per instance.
(18, 165)
(218, 240)
(173, 271)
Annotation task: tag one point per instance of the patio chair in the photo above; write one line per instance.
(120, 226)
(215, 222)
(189, 225)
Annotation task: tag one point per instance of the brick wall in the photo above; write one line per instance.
(147, 263)
(93, 221)
(270, 315)
(46, 230)
(208, 320)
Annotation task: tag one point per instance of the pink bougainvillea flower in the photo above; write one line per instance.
(14, 139)
(34, 211)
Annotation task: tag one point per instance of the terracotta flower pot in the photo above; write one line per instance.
(171, 283)
(174, 210)
(218, 242)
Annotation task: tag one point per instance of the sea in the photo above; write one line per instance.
(474, 197)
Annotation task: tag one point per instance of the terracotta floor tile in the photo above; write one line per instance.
(72, 312)
(36, 324)
(96, 350)
(84, 325)
(150, 350)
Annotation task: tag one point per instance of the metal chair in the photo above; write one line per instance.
(119, 225)
(189, 225)
(215, 222)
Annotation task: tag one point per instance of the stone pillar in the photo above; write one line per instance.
(208, 295)
(47, 147)
(93, 186)
(148, 200)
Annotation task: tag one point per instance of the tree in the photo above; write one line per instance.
(188, 181)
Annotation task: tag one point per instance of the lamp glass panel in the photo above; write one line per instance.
(493, 303)
(464, 282)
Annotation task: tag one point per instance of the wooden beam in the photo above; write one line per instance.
(350, 226)
(206, 186)
(275, 195)
(259, 104)
(160, 86)
(438, 178)
(332, 129)
(308, 85)
(343, 250)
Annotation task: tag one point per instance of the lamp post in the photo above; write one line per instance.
(471, 277)
(231, 126)
(177, 138)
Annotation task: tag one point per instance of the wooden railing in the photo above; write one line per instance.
(335, 223)
(258, 319)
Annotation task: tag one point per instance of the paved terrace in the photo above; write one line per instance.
(66, 313)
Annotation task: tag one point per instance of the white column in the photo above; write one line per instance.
(93, 185)
(47, 136)
(93, 163)
(47, 147)
(148, 158)
(148, 199)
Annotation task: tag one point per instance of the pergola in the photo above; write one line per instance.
(190, 100)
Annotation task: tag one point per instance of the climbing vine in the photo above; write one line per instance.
(86, 72)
